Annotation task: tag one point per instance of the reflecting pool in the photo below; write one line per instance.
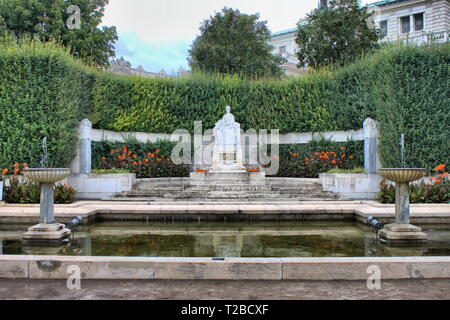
(230, 239)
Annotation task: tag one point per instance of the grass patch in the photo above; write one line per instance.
(110, 171)
(354, 170)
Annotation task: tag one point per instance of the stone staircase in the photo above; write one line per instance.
(275, 189)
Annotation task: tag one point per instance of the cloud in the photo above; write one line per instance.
(157, 34)
(152, 56)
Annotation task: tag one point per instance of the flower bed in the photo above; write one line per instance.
(152, 164)
(436, 190)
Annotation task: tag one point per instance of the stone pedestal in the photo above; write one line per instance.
(54, 232)
(47, 230)
(401, 230)
(396, 232)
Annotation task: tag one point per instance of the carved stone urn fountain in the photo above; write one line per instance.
(47, 229)
(401, 230)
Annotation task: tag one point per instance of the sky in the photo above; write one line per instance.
(157, 34)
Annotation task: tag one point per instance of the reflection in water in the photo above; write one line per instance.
(236, 239)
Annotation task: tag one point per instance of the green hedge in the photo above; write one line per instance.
(43, 92)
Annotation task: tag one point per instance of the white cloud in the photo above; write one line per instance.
(149, 29)
(172, 20)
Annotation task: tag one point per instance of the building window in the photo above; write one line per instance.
(405, 25)
(384, 28)
(418, 22)
(282, 49)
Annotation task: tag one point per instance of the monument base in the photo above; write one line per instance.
(43, 232)
(400, 233)
(227, 177)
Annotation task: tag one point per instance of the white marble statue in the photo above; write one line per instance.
(227, 151)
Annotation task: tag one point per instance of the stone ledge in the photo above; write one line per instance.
(329, 268)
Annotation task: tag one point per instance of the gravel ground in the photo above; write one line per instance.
(229, 290)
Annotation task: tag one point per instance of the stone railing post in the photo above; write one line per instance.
(371, 159)
(84, 147)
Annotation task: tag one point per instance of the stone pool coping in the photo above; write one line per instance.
(329, 268)
(244, 210)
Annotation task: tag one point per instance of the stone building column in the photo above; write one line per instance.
(371, 158)
(82, 163)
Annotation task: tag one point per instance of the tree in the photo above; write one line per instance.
(335, 35)
(47, 19)
(234, 43)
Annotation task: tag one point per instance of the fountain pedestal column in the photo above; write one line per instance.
(401, 230)
(47, 229)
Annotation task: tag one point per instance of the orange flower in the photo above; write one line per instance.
(351, 157)
(103, 158)
(16, 165)
(201, 170)
(343, 156)
(445, 174)
(16, 171)
(440, 167)
(437, 180)
(146, 160)
(158, 159)
(306, 159)
(135, 156)
(342, 148)
(334, 162)
(157, 151)
(135, 163)
(432, 178)
(4, 171)
(316, 153)
(152, 155)
(112, 151)
(117, 150)
(25, 165)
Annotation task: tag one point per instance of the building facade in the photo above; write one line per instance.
(123, 67)
(413, 21)
(283, 43)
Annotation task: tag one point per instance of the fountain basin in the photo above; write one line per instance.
(402, 174)
(47, 230)
(46, 175)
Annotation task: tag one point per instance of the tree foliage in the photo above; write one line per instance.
(338, 35)
(234, 43)
(47, 19)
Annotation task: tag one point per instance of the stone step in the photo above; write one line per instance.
(279, 199)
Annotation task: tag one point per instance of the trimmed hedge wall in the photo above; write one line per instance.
(43, 92)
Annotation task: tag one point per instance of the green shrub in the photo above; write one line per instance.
(30, 192)
(338, 170)
(437, 190)
(43, 93)
(149, 162)
(110, 171)
(295, 159)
